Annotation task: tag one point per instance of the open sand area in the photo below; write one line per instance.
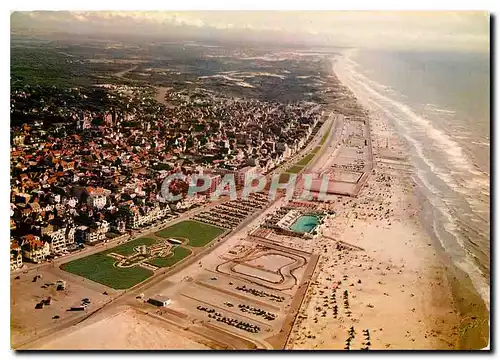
(271, 262)
(396, 286)
(397, 289)
(126, 330)
(250, 271)
(28, 322)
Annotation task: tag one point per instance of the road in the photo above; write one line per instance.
(121, 74)
(319, 163)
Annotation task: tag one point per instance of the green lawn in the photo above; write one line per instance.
(179, 253)
(199, 234)
(99, 268)
(294, 169)
(316, 149)
(306, 159)
(128, 248)
(325, 136)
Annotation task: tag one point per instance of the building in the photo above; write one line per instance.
(72, 201)
(61, 285)
(16, 257)
(242, 173)
(70, 234)
(57, 240)
(190, 201)
(92, 235)
(214, 181)
(97, 197)
(34, 249)
(160, 301)
(102, 229)
(145, 215)
(18, 139)
(82, 234)
(222, 172)
(119, 226)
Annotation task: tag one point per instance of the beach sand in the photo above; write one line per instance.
(126, 330)
(399, 287)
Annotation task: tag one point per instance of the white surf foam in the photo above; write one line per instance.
(366, 90)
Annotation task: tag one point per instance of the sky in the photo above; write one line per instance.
(418, 30)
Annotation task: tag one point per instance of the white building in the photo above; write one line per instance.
(99, 233)
(16, 257)
(150, 215)
(190, 201)
(72, 202)
(97, 197)
(57, 241)
(119, 226)
(18, 140)
(34, 249)
(92, 235)
(70, 234)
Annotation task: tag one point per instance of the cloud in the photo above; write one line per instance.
(410, 29)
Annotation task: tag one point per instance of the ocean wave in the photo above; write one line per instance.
(439, 110)
(481, 143)
(452, 175)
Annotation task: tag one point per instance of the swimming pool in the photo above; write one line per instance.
(305, 224)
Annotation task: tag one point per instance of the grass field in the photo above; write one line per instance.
(128, 248)
(294, 169)
(99, 268)
(199, 234)
(325, 136)
(306, 159)
(179, 253)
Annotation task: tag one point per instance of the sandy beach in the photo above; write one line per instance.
(400, 287)
(396, 287)
(126, 330)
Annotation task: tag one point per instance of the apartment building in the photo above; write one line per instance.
(34, 249)
(16, 257)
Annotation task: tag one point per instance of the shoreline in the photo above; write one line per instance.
(471, 310)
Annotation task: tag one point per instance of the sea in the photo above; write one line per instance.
(439, 102)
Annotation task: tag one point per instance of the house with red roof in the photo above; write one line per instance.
(34, 249)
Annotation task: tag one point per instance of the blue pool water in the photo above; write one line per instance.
(305, 224)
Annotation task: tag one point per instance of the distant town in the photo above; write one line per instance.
(97, 176)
